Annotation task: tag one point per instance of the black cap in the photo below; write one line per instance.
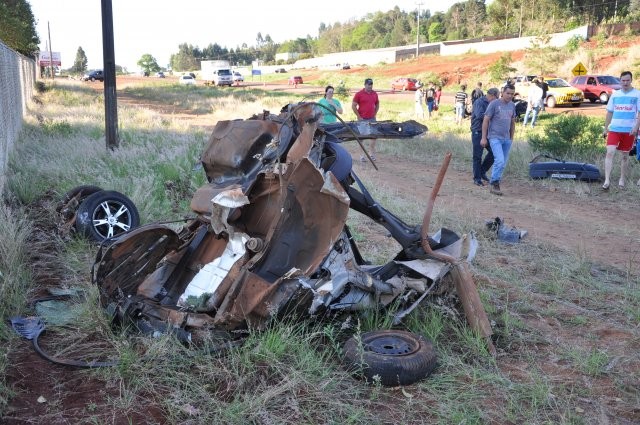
(368, 81)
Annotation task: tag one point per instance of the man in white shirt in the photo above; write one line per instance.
(621, 127)
(534, 103)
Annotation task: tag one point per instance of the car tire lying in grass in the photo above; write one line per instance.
(396, 357)
(106, 214)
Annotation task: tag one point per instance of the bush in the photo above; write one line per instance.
(574, 43)
(570, 135)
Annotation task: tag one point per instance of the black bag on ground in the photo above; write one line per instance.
(559, 169)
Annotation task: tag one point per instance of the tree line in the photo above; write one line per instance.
(464, 20)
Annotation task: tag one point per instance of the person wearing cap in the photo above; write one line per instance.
(365, 105)
(481, 167)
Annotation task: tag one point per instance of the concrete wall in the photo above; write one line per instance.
(447, 48)
(509, 44)
(17, 79)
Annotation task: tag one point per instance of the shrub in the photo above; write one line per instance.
(574, 43)
(570, 134)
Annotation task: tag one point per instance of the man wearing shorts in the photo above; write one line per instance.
(365, 105)
(621, 127)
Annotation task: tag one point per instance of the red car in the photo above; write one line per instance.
(295, 80)
(596, 87)
(404, 83)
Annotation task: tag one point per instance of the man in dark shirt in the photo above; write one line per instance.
(477, 93)
(481, 167)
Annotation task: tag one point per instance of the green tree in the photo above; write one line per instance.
(436, 32)
(80, 64)
(541, 59)
(185, 59)
(148, 63)
(18, 27)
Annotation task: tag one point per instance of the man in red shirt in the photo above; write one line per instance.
(365, 105)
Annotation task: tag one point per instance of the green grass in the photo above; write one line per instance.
(291, 372)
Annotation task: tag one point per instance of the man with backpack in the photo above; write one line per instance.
(430, 98)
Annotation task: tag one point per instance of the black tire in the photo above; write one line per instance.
(396, 357)
(592, 100)
(106, 214)
(78, 193)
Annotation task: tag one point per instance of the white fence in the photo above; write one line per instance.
(17, 79)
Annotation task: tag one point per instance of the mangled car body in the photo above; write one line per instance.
(271, 234)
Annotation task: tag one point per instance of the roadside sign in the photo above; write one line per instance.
(579, 69)
(256, 72)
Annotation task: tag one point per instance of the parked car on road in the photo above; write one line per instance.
(237, 77)
(293, 80)
(596, 87)
(404, 83)
(160, 74)
(561, 93)
(187, 80)
(96, 74)
(281, 71)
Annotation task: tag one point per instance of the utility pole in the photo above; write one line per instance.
(418, 32)
(109, 69)
(50, 54)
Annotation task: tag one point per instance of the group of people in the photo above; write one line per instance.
(430, 97)
(365, 106)
(493, 120)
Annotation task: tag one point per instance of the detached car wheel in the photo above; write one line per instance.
(396, 357)
(106, 214)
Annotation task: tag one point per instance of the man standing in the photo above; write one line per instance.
(534, 103)
(621, 126)
(481, 167)
(460, 102)
(419, 99)
(430, 98)
(545, 88)
(477, 93)
(498, 128)
(365, 105)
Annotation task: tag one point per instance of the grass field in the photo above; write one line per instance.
(565, 325)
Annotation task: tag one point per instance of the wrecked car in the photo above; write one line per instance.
(270, 235)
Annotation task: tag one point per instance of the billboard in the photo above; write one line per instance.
(45, 60)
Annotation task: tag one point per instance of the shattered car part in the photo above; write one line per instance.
(270, 233)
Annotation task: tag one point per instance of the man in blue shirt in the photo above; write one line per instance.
(481, 167)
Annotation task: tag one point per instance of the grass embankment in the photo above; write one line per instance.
(290, 373)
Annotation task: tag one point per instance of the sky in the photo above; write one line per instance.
(157, 27)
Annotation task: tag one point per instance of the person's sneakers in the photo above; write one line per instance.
(495, 189)
(478, 183)
(485, 178)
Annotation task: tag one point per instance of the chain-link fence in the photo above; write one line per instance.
(17, 80)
